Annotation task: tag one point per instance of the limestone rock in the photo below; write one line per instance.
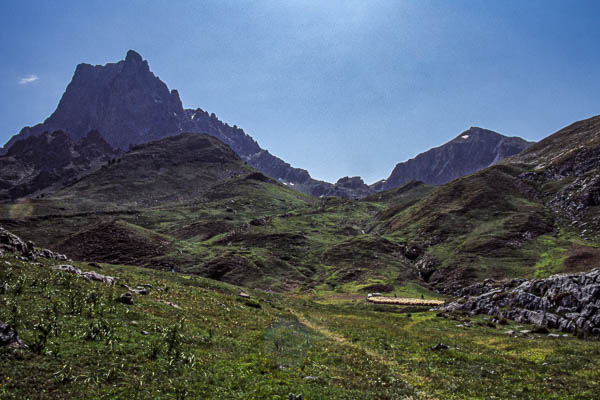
(569, 303)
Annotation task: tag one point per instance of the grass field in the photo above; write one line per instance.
(83, 343)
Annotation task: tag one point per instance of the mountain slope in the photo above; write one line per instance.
(176, 169)
(50, 160)
(471, 151)
(188, 202)
(129, 105)
(531, 215)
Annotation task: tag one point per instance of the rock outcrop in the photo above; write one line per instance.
(9, 338)
(348, 187)
(570, 303)
(469, 152)
(89, 275)
(14, 244)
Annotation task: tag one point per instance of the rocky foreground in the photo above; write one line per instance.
(13, 244)
(570, 303)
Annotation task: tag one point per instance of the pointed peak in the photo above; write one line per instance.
(133, 56)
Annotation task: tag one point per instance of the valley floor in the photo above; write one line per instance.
(193, 338)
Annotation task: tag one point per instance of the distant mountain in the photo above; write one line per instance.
(530, 215)
(349, 187)
(129, 105)
(471, 151)
(50, 160)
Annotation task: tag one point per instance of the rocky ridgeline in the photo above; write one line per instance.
(570, 303)
(14, 244)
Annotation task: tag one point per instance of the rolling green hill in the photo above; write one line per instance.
(191, 337)
(189, 203)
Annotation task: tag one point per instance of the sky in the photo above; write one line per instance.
(340, 88)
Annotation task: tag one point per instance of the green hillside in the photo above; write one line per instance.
(191, 337)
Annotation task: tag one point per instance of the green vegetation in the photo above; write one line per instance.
(308, 265)
(192, 337)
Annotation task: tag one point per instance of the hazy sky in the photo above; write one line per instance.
(336, 87)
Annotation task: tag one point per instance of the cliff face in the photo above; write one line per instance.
(469, 152)
(124, 101)
(129, 105)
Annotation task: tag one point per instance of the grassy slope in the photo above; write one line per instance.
(469, 222)
(241, 227)
(220, 345)
(496, 224)
(279, 239)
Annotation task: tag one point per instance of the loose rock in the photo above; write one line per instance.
(9, 338)
(439, 346)
(127, 298)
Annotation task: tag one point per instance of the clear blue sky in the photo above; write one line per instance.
(336, 87)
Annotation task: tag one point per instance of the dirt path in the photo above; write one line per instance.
(341, 339)
(402, 370)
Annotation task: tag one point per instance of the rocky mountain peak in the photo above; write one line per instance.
(129, 105)
(134, 63)
(348, 187)
(472, 150)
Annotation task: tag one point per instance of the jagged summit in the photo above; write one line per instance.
(129, 105)
(349, 187)
(133, 57)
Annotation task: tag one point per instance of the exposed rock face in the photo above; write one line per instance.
(574, 170)
(129, 105)
(570, 303)
(12, 243)
(352, 188)
(471, 151)
(124, 101)
(43, 162)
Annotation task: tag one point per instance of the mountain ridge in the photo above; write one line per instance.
(129, 105)
(469, 152)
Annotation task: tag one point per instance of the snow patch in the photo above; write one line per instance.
(464, 137)
(193, 116)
